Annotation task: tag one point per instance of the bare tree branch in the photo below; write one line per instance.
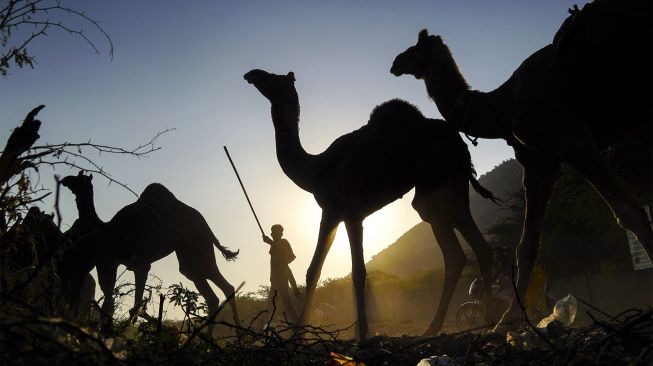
(18, 15)
(17, 187)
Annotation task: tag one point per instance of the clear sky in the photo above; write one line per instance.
(180, 64)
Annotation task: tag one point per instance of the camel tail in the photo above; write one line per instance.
(484, 192)
(470, 171)
(226, 253)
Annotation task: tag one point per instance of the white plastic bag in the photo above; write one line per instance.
(564, 311)
(442, 360)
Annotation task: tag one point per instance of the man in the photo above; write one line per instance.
(281, 255)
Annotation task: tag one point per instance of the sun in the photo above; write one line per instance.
(381, 229)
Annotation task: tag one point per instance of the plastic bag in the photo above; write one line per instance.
(442, 360)
(564, 311)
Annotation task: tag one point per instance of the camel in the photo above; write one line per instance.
(574, 98)
(79, 243)
(145, 231)
(363, 171)
(36, 237)
(28, 248)
(45, 253)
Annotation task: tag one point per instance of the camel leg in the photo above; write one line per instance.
(210, 297)
(359, 274)
(140, 278)
(454, 257)
(454, 262)
(106, 273)
(470, 231)
(86, 298)
(72, 291)
(539, 178)
(328, 227)
(585, 157)
(227, 289)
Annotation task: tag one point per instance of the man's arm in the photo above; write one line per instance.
(266, 239)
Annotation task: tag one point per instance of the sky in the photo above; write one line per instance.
(180, 65)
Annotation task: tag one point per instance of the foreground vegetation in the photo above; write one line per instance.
(625, 339)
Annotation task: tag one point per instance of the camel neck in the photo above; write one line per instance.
(295, 162)
(445, 85)
(486, 115)
(86, 208)
(478, 114)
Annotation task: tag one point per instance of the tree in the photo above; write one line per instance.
(507, 232)
(579, 235)
(28, 260)
(23, 21)
(20, 157)
(18, 190)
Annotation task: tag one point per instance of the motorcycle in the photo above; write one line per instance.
(473, 315)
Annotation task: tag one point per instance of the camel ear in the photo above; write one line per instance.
(437, 39)
(423, 35)
(81, 172)
(291, 76)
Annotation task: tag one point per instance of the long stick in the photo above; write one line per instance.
(243, 187)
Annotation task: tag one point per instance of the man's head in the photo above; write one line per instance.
(277, 231)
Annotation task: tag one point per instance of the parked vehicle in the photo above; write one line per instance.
(472, 315)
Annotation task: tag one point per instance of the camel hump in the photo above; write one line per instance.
(157, 197)
(155, 192)
(395, 111)
(616, 18)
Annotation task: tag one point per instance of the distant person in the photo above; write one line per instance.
(281, 255)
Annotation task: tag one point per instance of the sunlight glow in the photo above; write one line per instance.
(381, 229)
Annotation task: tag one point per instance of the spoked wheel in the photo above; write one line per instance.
(470, 315)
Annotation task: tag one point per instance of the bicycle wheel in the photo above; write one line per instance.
(469, 316)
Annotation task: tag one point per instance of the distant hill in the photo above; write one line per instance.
(504, 180)
(417, 251)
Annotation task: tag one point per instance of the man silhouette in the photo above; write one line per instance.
(281, 255)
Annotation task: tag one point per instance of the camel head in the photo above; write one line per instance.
(417, 60)
(34, 214)
(79, 184)
(38, 222)
(272, 86)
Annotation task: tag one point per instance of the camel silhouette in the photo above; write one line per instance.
(79, 243)
(364, 170)
(40, 245)
(36, 236)
(145, 231)
(569, 101)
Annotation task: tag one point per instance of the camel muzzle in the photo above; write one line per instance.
(394, 70)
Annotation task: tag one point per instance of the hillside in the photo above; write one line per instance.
(417, 251)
